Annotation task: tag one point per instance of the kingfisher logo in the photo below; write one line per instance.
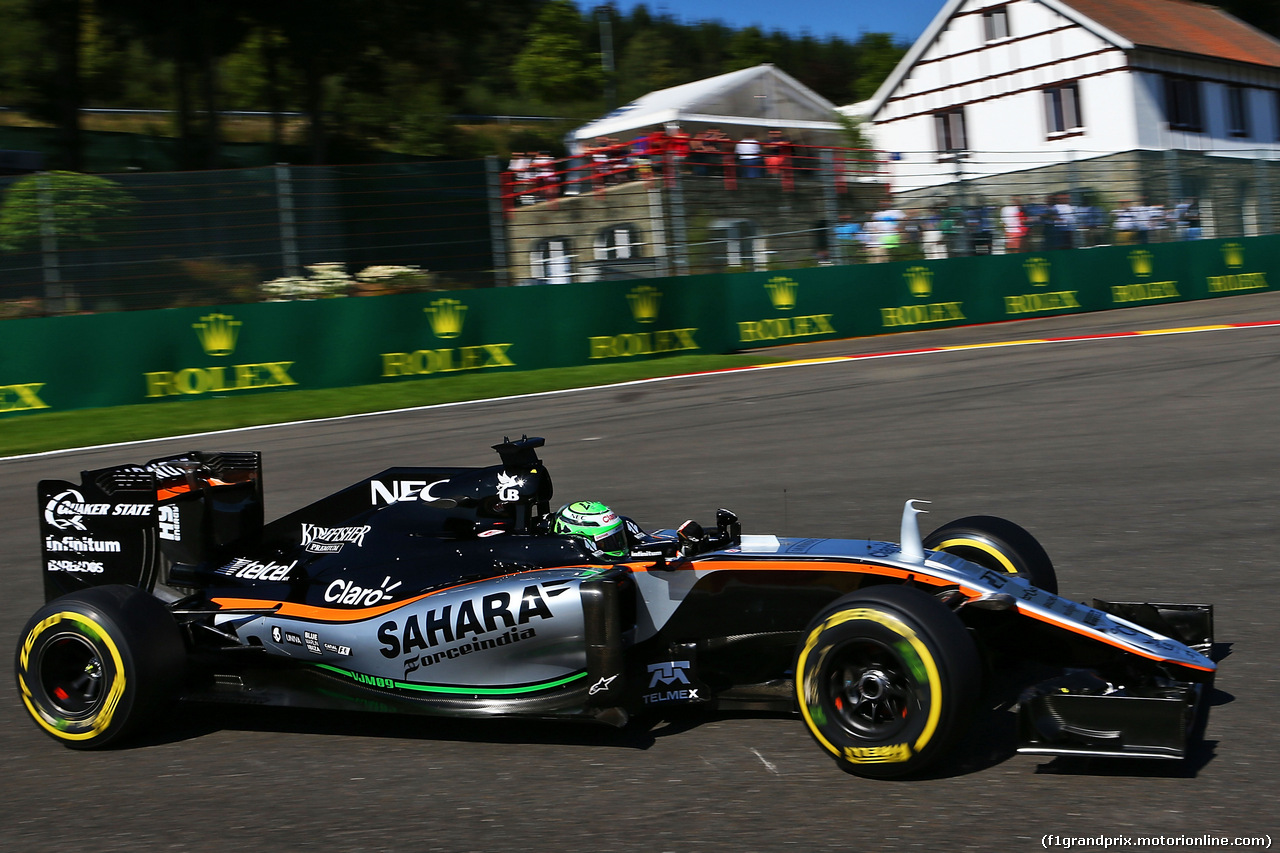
(218, 333)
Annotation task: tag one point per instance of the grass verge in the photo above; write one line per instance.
(43, 431)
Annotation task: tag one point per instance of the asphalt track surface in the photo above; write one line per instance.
(1145, 464)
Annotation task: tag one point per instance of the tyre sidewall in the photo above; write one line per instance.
(928, 641)
(139, 649)
(997, 544)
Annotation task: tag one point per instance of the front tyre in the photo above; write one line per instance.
(998, 544)
(886, 679)
(95, 666)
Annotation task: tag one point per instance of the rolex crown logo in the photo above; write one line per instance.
(1233, 254)
(1037, 271)
(782, 292)
(446, 317)
(645, 300)
(920, 280)
(1140, 261)
(217, 333)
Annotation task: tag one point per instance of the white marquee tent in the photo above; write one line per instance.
(746, 102)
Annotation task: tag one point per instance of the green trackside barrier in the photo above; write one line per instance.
(124, 358)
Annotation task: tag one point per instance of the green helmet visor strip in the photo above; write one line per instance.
(601, 526)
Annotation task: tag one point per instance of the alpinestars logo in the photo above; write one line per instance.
(671, 672)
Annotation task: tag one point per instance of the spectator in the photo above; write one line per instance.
(521, 177)
(1125, 224)
(750, 157)
(1013, 220)
(657, 145)
(1187, 215)
(1064, 221)
(678, 143)
(778, 154)
(544, 175)
(848, 238)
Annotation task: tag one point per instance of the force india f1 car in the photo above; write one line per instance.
(441, 591)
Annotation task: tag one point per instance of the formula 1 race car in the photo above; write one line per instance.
(447, 591)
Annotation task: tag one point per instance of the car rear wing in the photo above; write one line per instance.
(127, 523)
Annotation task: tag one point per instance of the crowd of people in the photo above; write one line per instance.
(536, 176)
(1021, 225)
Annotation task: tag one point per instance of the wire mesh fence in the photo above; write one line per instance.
(76, 243)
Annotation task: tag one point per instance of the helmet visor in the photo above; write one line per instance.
(614, 542)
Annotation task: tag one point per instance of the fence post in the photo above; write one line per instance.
(497, 221)
(679, 229)
(55, 295)
(656, 222)
(829, 209)
(288, 223)
(1262, 179)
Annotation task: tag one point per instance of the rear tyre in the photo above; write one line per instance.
(997, 544)
(887, 679)
(95, 666)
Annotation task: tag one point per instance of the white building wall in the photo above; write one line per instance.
(1000, 87)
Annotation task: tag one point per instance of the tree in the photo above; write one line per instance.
(75, 209)
(554, 66)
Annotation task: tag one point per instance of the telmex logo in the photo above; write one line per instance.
(919, 281)
(218, 333)
(782, 292)
(1233, 255)
(1140, 262)
(645, 301)
(447, 317)
(1037, 271)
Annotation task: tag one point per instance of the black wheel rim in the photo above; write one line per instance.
(870, 691)
(71, 675)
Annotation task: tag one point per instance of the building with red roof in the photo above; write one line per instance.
(996, 87)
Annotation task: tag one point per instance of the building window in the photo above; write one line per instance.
(1062, 109)
(950, 131)
(1237, 111)
(995, 23)
(618, 242)
(552, 261)
(737, 245)
(1182, 104)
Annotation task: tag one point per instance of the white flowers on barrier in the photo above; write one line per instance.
(328, 280)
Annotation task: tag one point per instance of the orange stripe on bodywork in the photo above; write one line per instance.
(1095, 635)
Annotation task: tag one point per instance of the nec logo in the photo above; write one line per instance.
(401, 490)
(671, 672)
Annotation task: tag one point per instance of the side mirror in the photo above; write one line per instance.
(691, 537)
(729, 527)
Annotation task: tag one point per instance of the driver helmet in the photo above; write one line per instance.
(603, 528)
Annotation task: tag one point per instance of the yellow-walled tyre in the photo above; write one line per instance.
(94, 666)
(887, 679)
(997, 544)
